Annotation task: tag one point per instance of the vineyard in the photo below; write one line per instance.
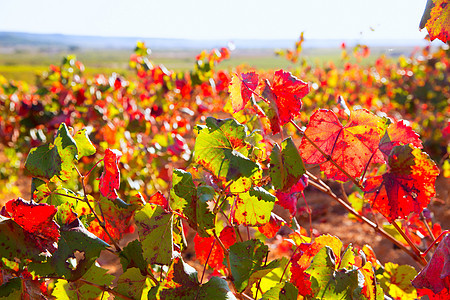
(319, 182)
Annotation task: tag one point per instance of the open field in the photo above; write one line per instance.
(25, 64)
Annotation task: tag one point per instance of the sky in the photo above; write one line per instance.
(226, 19)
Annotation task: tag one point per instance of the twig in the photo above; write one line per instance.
(435, 241)
(408, 240)
(375, 227)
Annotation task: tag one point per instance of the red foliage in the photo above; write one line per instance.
(110, 179)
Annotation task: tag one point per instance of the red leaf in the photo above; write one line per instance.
(289, 199)
(110, 179)
(407, 187)
(287, 91)
(352, 146)
(438, 25)
(299, 278)
(397, 134)
(241, 89)
(436, 274)
(159, 199)
(203, 246)
(271, 228)
(36, 219)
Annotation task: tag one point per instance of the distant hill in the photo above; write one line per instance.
(21, 39)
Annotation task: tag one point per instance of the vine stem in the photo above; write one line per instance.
(327, 190)
(328, 157)
(204, 268)
(100, 222)
(435, 241)
(227, 256)
(408, 240)
(105, 289)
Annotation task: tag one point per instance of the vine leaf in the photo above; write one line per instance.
(84, 144)
(436, 18)
(241, 89)
(407, 186)
(132, 256)
(397, 134)
(110, 178)
(287, 92)
(247, 263)
(351, 146)
(220, 148)
(271, 228)
(155, 229)
(192, 202)
(182, 283)
(54, 160)
(254, 207)
(73, 290)
(396, 281)
(282, 291)
(40, 231)
(159, 199)
(75, 241)
(286, 165)
(436, 274)
(289, 198)
(133, 284)
(203, 246)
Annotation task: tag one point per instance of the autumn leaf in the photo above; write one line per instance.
(287, 92)
(396, 281)
(437, 18)
(399, 133)
(158, 198)
(271, 228)
(241, 89)
(37, 220)
(351, 147)
(203, 247)
(289, 198)
(436, 274)
(407, 186)
(110, 179)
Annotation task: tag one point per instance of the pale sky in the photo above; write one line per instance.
(225, 19)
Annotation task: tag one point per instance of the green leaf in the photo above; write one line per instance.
(155, 233)
(191, 202)
(326, 283)
(282, 291)
(220, 148)
(286, 165)
(182, 284)
(131, 256)
(133, 284)
(247, 263)
(273, 278)
(11, 289)
(348, 258)
(396, 281)
(15, 242)
(254, 207)
(75, 241)
(52, 161)
(80, 290)
(84, 144)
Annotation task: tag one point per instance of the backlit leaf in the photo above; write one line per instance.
(241, 88)
(290, 198)
(110, 178)
(131, 256)
(84, 144)
(247, 263)
(407, 187)
(36, 219)
(254, 207)
(192, 202)
(155, 233)
(54, 159)
(286, 165)
(396, 281)
(436, 274)
(133, 284)
(437, 17)
(351, 146)
(220, 148)
(282, 291)
(79, 290)
(271, 228)
(287, 92)
(397, 134)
